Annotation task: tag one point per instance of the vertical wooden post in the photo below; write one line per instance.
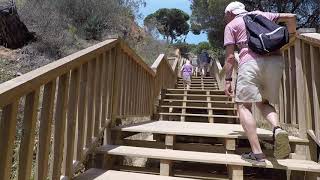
(301, 93)
(235, 172)
(292, 79)
(210, 111)
(60, 124)
(184, 105)
(28, 131)
(7, 129)
(166, 165)
(45, 130)
(91, 100)
(315, 73)
(71, 121)
(98, 99)
(82, 111)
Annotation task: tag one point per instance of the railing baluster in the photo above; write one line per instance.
(45, 130)
(98, 96)
(72, 120)
(7, 134)
(28, 135)
(83, 104)
(315, 73)
(60, 125)
(104, 86)
(91, 100)
(292, 79)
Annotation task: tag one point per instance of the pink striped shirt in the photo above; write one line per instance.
(235, 33)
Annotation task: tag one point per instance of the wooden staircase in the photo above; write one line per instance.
(197, 126)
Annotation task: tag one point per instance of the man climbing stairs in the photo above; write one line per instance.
(195, 126)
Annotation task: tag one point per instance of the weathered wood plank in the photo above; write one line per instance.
(60, 124)
(7, 135)
(45, 130)
(91, 100)
(98, 100)
(315, 73)
(71, 121)
(83, 105)
(28, 131)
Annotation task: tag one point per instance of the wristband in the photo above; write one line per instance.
(228, 79)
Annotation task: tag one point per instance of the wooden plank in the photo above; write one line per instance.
(45, 130)
(286, 88)
(28, 131)
(315, 72)
(91, 100)
(199, 115)
(196, 107)
(83, 105)
(235, 172)
(104, 88)
(292, 79)
(7, 136)
(184, 104)
(192, 129)
(28, 82)
(308, 86)
(230, 144)
(71, 121)
(210, 112)
(98, 99)
(301, 99)
(98, 174)
(203, 157)
(198, 101)
(200, 95)
(166, 168)
(60, 124)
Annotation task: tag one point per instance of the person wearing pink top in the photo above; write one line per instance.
(258, 79)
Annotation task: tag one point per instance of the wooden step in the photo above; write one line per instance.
(199, 95)
(99, 174)
(217, 130)
(203, 157)
(198, 101)
(198, 90)
(196, 107)
(198, 115)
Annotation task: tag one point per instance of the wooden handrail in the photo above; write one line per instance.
(81, 96)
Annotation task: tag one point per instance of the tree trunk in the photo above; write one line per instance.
(13, 33)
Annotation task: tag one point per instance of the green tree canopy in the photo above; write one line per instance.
(208, 15)
(171, 23)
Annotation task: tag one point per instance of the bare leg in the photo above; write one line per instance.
(249, 125)
(269, 113)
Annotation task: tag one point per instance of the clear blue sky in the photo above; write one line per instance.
(154, 5)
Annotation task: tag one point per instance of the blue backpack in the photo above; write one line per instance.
(264, 36)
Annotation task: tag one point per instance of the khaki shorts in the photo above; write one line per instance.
(260, 80)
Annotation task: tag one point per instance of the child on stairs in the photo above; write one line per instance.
(187, 71)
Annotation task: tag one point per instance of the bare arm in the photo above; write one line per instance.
(229, 64)
(290, 20)
(230, 60)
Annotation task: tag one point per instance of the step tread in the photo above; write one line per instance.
(99, 174)
(197, 107)
(195, 90)
(198, 95)
(199, 101)
(199, 115)
(203, 157)
(217, 130)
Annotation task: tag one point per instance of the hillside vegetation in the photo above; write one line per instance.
(63, 27)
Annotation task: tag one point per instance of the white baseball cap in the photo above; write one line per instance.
(236, 8)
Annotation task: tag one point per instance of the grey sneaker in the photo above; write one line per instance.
(256, 159)
(281, 143)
